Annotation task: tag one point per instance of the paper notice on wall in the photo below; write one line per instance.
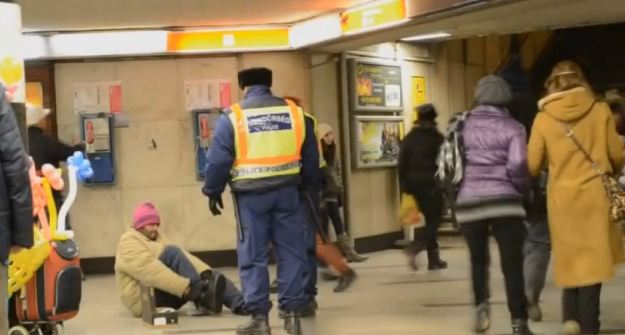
(207, 94)
(98, 97)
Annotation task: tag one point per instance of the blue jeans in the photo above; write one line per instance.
(175, 260)
(537, 254)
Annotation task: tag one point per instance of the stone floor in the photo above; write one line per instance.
(387, 299)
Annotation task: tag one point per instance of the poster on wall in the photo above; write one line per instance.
(98, 97)
(376, 86)
(377, 140)
(207, 94)
(34, 94)
(419, 94)
(11, 58)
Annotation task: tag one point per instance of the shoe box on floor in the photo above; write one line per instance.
(151, 315)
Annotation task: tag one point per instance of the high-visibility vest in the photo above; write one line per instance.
(268, 141)
(322, 161)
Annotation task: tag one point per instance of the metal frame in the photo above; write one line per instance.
(352, 87)
(111, 119)
(356, 140)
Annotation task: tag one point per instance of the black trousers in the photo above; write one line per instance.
(582, 304)
(429, 197)
(510, 235)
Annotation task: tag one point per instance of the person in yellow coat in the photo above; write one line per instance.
(586, 245)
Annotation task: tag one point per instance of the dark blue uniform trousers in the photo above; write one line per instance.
(279, 217)
(311, 243)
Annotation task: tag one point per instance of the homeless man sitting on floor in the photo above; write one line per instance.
(144, 256)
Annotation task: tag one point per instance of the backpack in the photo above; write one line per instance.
(450, 159)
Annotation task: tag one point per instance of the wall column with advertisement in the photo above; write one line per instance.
(12, 62)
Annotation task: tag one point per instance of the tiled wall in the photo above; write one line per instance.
(153, 98)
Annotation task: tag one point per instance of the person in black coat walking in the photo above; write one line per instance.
(417, 170)
(16, 207)
(45, 149)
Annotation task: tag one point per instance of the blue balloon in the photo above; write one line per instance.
(82, 165)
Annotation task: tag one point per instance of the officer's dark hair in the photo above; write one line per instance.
(255, 76)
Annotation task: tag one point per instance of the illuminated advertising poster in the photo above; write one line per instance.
(376, 87)
(11, 59)
(377, 140)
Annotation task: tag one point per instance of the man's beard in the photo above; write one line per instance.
(153, 236)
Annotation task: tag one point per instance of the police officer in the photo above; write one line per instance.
(264, 148)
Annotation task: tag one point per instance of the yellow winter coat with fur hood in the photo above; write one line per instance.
(586, 245)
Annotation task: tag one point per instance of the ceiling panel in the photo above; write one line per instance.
(58, 15)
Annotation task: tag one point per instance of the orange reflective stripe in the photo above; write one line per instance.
(242, 134)
(298, 126)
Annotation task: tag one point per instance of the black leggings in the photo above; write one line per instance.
(510, 234)
(582, 304)
(430, 201)
(332, 213)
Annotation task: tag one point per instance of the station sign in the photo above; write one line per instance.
(373, 16)
(220, 40)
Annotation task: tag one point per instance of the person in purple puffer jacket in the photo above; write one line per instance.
(490, 198)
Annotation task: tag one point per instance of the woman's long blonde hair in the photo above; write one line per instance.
(565, 76)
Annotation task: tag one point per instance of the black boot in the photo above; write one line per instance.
(258, 325)
(519, 327)
(345, 281)
(212, 298)
(292, 323)
(434, 260)
(308, 311)
(273, 288)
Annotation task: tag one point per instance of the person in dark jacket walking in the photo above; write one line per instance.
(494, 183)
(45, 149)
(16, 208)
(417, 177)
(537, 249)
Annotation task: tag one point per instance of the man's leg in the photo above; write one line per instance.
(232, 298)
(253, 255)
(173, 257)
(164, 299)
(289, 236)
(537, 254)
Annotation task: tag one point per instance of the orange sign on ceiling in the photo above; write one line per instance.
(226, 40)
(373, 16)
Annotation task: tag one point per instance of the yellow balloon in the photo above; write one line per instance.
(11, 71)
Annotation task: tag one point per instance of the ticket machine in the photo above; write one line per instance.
(203, 123)
(97, 133)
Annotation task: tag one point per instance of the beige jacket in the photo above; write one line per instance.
(137, 262)
(585, 244)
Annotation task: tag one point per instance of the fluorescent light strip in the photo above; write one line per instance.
(34, 47)
(382, 26)
(424, 37)
(315, 30)
(368, 4)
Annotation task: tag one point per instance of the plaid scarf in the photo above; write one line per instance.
(451, 156)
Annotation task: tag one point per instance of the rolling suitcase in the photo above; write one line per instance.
(53, 294)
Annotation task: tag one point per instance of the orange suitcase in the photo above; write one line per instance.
(54, 292)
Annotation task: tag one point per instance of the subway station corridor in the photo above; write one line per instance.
(386, 299)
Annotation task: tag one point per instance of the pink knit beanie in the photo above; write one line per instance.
(145, 214)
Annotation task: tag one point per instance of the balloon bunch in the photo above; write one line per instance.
(82, 165)
(79, 168)
(42, 197)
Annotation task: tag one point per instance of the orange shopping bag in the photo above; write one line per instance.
(409, 213)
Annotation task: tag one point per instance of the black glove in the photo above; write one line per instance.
(216, 205)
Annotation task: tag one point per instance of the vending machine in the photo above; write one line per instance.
(98, 136)
(203, 123)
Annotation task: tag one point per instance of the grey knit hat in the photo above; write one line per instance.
(492, 90)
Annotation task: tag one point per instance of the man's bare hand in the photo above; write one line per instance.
(15, 249)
